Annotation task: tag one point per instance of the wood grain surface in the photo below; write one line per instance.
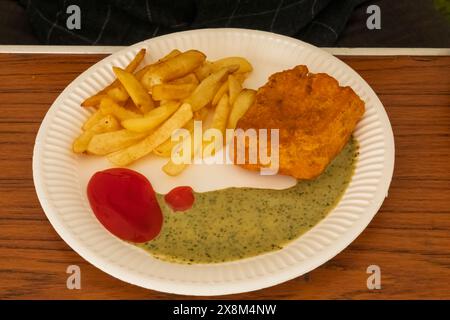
(409, 238)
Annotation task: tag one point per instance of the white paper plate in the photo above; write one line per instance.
(61, 177)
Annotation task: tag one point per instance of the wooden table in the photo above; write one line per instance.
(409, 238)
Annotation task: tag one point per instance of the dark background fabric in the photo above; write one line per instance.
(123, 22)
(405, 23)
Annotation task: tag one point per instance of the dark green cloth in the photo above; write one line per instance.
(123, 22)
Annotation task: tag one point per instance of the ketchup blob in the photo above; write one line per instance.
(180, 198)
(124, 202)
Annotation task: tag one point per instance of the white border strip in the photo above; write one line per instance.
(388, 51)
(335, 51)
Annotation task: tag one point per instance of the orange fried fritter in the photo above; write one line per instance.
(315, 116)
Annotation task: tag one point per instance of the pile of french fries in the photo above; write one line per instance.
(138, 112)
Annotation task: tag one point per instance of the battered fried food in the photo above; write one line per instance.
(315, 116)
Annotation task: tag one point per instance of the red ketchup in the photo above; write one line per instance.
(125, 203)
(180, 198)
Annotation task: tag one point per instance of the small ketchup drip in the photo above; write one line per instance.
(180, 198)
(124, 202)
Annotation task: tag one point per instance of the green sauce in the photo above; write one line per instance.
(236, 223)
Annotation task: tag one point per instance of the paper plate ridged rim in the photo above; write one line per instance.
(64, 201)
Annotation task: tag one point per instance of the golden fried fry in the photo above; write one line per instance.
(108, 142)
(129, 105)
(234, 87)
(93, 119)
(173, 68)
(241, 77)
(139, 150)
(219, 122)
(220, 117)
(174, 169)
(170, 55)
(240, 106)
(138, 112)
(131, 67)
(139, 74)
(244, 65)
(152, 119)
(118, 94)
(109, 106)
(219, 94)
(201, 114)
(106, 124)
(204, 70)
(137, 93)
(94, 100)
(172, 91)
(165, 149)
(187, 79)
(205, 91)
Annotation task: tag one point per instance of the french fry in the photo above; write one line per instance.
(222, 90)
(240, 106)
(219, 122)
(170, 55)
(137, 93)
(240, 77)
(174, 169)
(118, 94)
(131, 67)
(205, 91)
(172, 91)
(144, 147)
(109, 106)
(220, 117)
(234, 88)
(106, 124)
(139, 74)
(165, 149)
(187, 79)
(152, 119)
(94, 100)
(244, 65)
(138, 112)
(173, 68)
(204, 70)
(201, 114)
(93, 119)
(108, 142)
(129, 105)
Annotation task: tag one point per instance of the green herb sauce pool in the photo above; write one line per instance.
(236, 223)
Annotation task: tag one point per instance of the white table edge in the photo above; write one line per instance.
(51, 49)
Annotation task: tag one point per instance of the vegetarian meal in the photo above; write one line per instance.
(137, 115)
